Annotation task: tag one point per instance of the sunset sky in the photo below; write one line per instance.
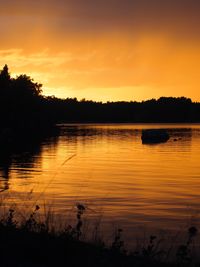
(104, 49)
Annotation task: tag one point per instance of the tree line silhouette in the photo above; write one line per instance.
(24, 108)
(165, 109)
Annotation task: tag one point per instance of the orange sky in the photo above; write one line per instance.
(104, 49)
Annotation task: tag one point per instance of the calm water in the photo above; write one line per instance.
(108, 169)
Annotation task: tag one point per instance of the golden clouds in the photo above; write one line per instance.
(104, 49)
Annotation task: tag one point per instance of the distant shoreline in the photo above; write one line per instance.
(126, 123)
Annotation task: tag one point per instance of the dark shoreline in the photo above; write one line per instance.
(34, 243)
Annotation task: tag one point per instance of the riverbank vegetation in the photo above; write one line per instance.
(30, 241)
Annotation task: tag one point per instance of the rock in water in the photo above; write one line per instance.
(153, 136)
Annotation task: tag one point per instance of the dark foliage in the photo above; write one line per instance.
(32, 243)
(22, 106)
(165, 109)
(22, 109)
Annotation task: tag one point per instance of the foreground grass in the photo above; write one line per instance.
(34, 243)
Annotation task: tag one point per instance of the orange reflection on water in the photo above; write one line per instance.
(107, 168)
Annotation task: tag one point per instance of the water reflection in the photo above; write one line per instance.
(5, 163)
(134, 185)
(73, 133)
(24, 158)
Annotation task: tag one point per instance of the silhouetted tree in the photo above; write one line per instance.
(26, 87)
(4, 76)
(20, 102)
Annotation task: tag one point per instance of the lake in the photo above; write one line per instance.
(122, 182)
